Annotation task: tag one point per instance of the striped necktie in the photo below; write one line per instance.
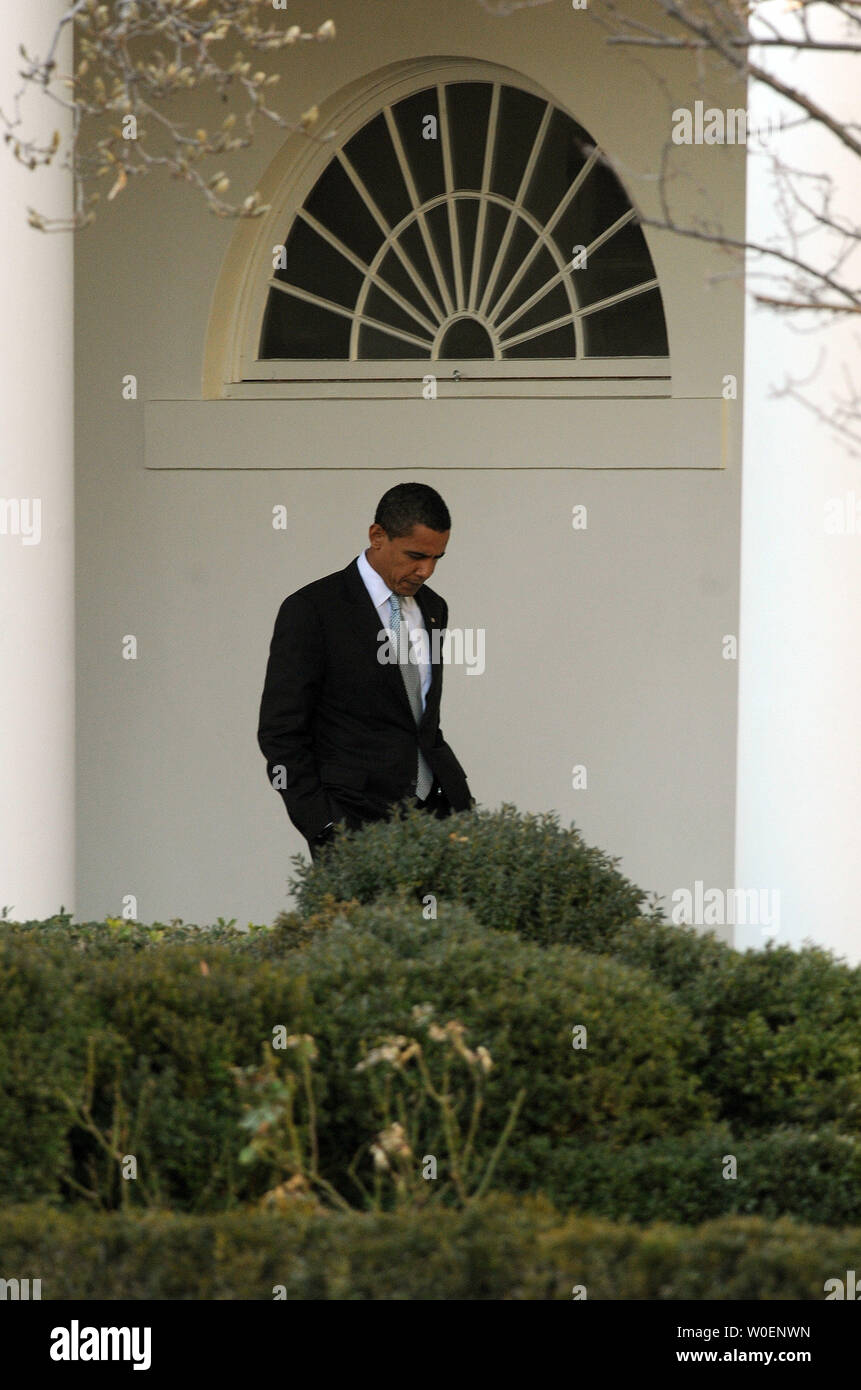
(412, 681)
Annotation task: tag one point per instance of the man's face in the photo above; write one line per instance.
(407, 561)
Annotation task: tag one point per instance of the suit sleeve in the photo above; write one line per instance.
(294, 677)
(439, 735)
(445, 765)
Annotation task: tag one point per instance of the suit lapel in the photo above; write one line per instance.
(368, 627)
(368, 621)
(432, 622)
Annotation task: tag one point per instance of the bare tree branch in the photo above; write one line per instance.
(121, 75)
(812, 264)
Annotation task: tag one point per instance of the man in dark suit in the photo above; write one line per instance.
(349, 719)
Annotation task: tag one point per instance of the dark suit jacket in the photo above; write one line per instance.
(336, 720)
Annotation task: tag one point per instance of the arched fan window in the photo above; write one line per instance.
(446, 228)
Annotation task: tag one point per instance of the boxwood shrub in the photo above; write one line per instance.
(694, 1050)
(811, 1176)
(502, 1248)
(517, 872)
(782, 1027)
(167, 1024)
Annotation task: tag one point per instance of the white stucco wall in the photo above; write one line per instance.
(603, 648)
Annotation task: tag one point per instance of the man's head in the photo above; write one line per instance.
(410, 532)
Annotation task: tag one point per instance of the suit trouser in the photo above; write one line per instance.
(436, 803)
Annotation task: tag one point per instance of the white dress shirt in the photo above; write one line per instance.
(410, 612)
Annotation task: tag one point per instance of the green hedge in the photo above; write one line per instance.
(517, 872)
(500, 1249)
(621, 1129)
(118, 937)
(167, 1035)
(636, 1079)
(690, 1042)
(814, 1177)
(164, 1036)
(782, 1028)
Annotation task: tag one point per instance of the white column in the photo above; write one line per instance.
(37, 710)
(799, 747)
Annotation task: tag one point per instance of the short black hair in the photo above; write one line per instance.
(409, 505)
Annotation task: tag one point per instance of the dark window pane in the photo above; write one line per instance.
(468, 110)
(549, 306)
(467, 220)
(377, 346)
(599, 203)
(633, 328)
(563, 154)
(569, 230)
(413, 244)
(370, 151)
(519, 118)
(335, 202)
(292, 328)
(437, 220)
(559, 342)
(393, 272)
(466, 338)
(538, 272)
(423, 156)
(316, 266)
(495, 222)
(379, 306)
(617, 265)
